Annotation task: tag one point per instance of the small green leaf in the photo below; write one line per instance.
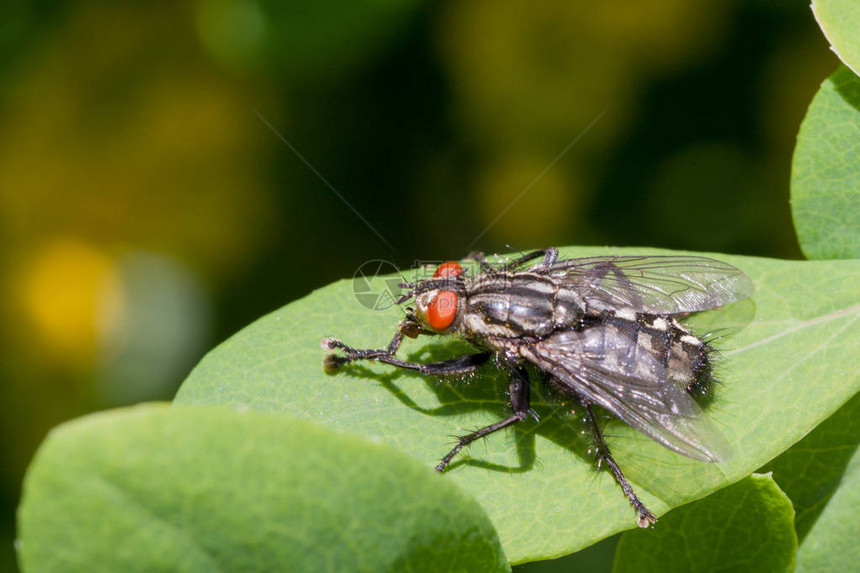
(748, 526)
(825, 174)
(813, 470)
(840, 21)
(206, 489)
(831, 544)
(782, 373)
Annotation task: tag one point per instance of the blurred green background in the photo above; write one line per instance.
(148, 210)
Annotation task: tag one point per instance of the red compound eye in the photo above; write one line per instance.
(442, 309)
(450, 269)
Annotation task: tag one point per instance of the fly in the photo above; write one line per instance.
(603, 331)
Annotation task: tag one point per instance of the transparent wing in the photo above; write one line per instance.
(611, 370)
(655, 284)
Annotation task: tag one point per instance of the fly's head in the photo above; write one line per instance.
(437, 300)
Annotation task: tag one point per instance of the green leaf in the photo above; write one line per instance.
(788, 369)
(813, 470)
(597, 558)
(831, 544)
(840, 21)
(206, 489)
(748, 526)
(825, 174)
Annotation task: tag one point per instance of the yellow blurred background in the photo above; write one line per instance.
(148, 209)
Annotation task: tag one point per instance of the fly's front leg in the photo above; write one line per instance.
(332, 362)
(459, 365)
(646, 518)
(519, 393)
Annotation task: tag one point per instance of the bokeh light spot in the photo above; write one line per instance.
(62, 288)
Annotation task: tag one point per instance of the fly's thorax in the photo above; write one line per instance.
(505, 304)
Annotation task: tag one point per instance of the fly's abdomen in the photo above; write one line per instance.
(685, 357)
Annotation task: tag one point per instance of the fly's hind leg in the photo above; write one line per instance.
(519, 393)
(549, 254)
(646, 518)
(479, 258)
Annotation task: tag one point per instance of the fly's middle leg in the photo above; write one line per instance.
(520, 401)
(646, 518)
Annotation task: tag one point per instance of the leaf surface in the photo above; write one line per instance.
(825, 172)
(840, 20)
(790, 364)
(748, 526)
(831, 544)
(178, 489)
(813, 470)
